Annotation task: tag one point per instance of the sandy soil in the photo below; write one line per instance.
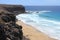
(32, 34)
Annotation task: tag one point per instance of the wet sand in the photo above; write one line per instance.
(32, 34)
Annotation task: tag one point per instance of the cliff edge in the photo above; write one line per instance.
(17, 9)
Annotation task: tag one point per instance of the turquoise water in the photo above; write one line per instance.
(51, 15)
(46, 22)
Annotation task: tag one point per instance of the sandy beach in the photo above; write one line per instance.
(32, 34)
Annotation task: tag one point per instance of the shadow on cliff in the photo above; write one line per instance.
(25, 38)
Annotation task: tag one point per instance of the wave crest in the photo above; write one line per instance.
(49, 27)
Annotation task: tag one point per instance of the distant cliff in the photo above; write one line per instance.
(12, 8)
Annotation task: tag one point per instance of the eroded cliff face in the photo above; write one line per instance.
(12, 8)
(9, 30)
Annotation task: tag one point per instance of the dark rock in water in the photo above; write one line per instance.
(9, 30)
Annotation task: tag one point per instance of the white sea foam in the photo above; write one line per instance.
(45, 11)
(49, 27)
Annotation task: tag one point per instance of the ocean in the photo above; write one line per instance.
(46, 21)
(41, 8)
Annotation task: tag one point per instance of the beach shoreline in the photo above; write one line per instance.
(31, 33)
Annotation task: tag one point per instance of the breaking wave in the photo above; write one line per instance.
(45, 25)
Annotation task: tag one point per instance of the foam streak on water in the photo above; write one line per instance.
(49, 27)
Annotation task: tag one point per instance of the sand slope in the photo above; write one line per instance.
(32, 34)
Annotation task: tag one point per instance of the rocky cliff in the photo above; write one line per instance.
(12, 8)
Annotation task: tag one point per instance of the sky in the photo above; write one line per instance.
(32, 2)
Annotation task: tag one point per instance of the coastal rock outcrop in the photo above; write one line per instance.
(9, 30)
(17, 9)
